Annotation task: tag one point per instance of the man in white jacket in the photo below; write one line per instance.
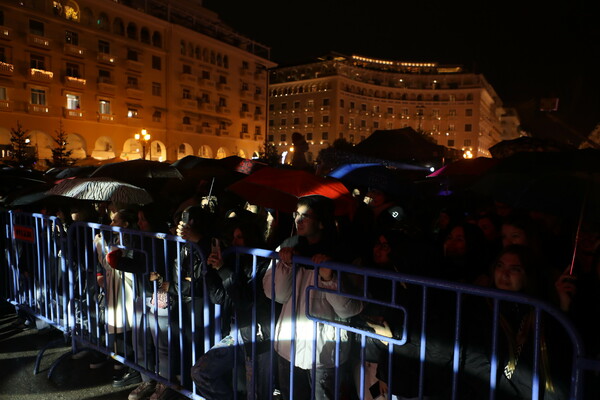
(315, 239)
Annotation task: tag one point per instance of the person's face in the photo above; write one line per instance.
(117, 220)
(143, 222)
(488, 228)
(306, 222)
(509, 274)
(381, 251)
(455, 244)
(513, 235)
(238, 238)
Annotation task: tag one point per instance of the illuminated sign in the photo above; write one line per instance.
(23, 233)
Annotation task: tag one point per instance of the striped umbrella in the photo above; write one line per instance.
(101, 189)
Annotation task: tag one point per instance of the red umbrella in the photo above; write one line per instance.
(466, 167)
(280, 189)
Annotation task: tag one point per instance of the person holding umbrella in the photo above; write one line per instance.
(316, 238)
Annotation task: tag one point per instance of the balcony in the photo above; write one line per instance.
(245, 71)
(260, 74)
(245, 135)
(72, 114)
(188, 78)
(245, 114)
(106, 58)
(5, 105)
(133, 65)
(38, 41)
(6, 68)
(207, 130)
(259, 138)
(223, 110)
(106, 85)
(134, 92)
(6, 33)
(258, 117)
(207, 83)
(41, 75)
(106, 117)
(38, 109)
(72, 50)
(188, 103)
(259, 97)
(222, 132)
(187, 128)
(75, 83)
(206, 107)
(245, 93)
(223, 87)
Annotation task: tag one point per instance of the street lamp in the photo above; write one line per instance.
(144, 137)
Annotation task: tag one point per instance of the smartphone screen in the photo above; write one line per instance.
(215, 246)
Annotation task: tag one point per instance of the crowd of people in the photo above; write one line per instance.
(475, 241)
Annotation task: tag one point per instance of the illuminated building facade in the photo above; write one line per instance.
(105, 70)
(350, 97)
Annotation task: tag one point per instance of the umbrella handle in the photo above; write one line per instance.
(579, 223)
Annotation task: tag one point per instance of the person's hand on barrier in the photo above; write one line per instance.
(286, 254)
(326, 274)
(566, 288)
(186, 232)
(382, 330)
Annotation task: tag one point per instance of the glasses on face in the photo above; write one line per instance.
(301, 216)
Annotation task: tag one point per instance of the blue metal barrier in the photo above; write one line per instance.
(53, 275)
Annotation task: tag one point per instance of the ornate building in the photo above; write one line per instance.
(350, 97)
(106, 70)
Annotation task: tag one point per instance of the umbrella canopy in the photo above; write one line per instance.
(83, 171)
(507, 148)
(101, 189)
(242, 165)
(137, 169)
(404, 144)
(280, 189)
(465, 167)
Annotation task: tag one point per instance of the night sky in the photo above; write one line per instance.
(544, 50)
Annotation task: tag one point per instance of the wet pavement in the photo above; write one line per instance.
(71, 379)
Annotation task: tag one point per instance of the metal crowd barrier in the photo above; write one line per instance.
(121, 315)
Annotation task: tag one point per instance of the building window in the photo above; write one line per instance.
(103, 47)
(104, 107)
(309, 120)
(296, 121)
(37, 62)
(187, 69)
(325, 102)
(186, 120)
(257, 110)
(271, 138)
(468, 127)
(283, 137)
(244, 107)
(271, 107)
(352, 105)
(245, 86)
(3, 55)
(435, 113)
(390, 110)
(467, 142)
(156, 116)
(452, 113)
(450, 142)
(72, 70)
(310, 104)
(156, 63)
(186, 94)
(36, 27)
(38, 96)
(309, 136)
(284, 106)
(244, 128)
(390, 125)
(132, 113)
(451, 97)
(222, 79)
(73, 102)
(296, 104)
(132, 55)
(3, 95)
(451, 127)
(104, 76)
(72, 38)
(132, 82)
(257, 130)
(469, 112)
(156, 89)
(325, 119)
(342, 103)
(245, 65)
(376, 124)
(271, 122)
(325, 135)
(363, 107)
(341, 119)
(404, 112)
(222, 102)
(283, 122)
(205, 75)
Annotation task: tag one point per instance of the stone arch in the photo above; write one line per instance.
(118, 27)
(132, 149)
(157, 39)
(222, 152)
(205, 151)
(184, 149)
(77, 144)
(158, 151)
(145, 35)
(132, 32)
(43, 144)
(104, 148)
(103, 22)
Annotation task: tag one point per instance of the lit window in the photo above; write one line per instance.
(73, 102)
(104, 107)
(38, 96)
(132, 113)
